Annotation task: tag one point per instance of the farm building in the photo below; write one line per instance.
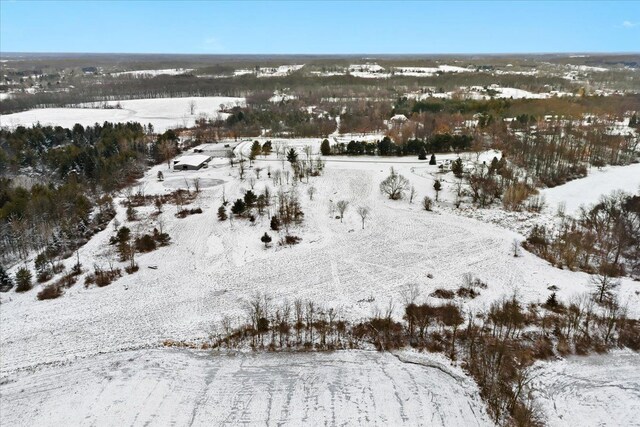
(192, 162)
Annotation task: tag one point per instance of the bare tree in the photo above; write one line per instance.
(242, 169)
(515, 246)
(363, 211)
(192, 107)
(342, 208)
(168, 150)
(412, 194)
(196, 184)
(604, 286)
(257, 171)
(311, 191)
(252, 182)
(410, 294)
(394, 185)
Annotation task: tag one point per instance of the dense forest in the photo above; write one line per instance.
(82, 166)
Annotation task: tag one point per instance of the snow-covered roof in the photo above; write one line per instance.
(399, 118)
(192, 160)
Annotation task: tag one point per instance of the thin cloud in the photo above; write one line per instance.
(629, 24)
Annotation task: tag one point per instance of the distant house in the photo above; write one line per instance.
(396, 121)
(89, 70)
(192, 162)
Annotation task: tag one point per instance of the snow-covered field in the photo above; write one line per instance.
(163, 113)
(153, 73)
(586, 191)
(181, 387)
(211, 268)
(100, 345)
(598, 390)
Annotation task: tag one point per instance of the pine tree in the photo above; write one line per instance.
(432, 160)
(222, 213)
(292, 156)
(23, 280)
(325, 147)
(5, 280)
(457, 168)
(633, 121)
(275, 223)
(437, 185)
(422, 154)
(250, 198)
(266, 239)
(238, 207)
(552, 301)
(266, 148)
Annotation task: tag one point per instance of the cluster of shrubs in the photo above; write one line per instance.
(496, 346)
(102, 277)
(186, 212)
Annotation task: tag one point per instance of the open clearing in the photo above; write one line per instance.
(162, 113)
(588, 190)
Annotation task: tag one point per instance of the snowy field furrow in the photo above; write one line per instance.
(599, 390)
(180, 387)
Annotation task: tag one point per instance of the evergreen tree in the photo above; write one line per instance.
(457, 168)
(222, 213)
(633, 121)
(256, 149)
(5, 280)
(292, 156)
(266, 239)
(275, 223)
(432, 160)
(437, 185)
(552, 301)
(493, 168)
(23, 280)
(266, 148)
(238, 207)
(250, 198)
(325, 147)
(422, 155)
(43, 270)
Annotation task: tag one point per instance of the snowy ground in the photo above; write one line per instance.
(588, 190)
(163, 113)
(211, 269)
(181, 387)
(154, 73)
(600, 390)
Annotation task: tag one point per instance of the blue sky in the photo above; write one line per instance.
(319, 27)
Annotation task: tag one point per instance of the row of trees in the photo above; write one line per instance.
(498, 346)
(440, 143)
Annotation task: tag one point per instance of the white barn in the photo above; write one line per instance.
(191, 162)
